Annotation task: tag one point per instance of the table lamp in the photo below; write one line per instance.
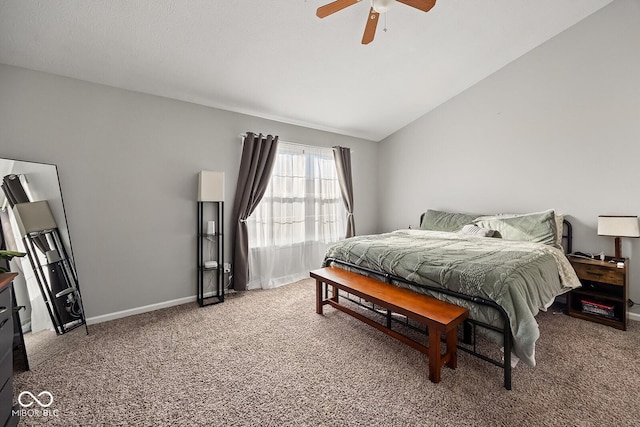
(618, 226)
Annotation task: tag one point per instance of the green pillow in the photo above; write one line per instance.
(445, 221)
(536, 227)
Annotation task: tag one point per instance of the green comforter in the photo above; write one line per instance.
(522, 277)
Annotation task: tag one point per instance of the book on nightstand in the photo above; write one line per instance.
(598, 309)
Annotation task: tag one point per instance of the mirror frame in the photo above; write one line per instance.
(65, 236)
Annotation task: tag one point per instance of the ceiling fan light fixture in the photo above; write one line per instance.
(381, 6)
(377, 7)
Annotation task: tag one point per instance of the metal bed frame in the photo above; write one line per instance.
(470, 325)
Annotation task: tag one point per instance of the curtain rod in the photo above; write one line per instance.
(244, 135)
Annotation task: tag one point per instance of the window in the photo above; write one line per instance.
(300, 214)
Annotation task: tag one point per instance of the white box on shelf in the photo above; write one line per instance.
(211, 227)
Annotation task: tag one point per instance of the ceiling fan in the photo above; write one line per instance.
(377, 7)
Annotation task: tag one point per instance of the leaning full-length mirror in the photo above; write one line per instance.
(33, 221)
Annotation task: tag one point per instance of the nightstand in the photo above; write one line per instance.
(604, 292)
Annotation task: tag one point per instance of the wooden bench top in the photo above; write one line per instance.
(420, 307)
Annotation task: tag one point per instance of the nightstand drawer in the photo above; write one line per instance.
(6, 399)
(6, 367)
(596, 273)
(6, 334)
(6, 320)
(6, 305)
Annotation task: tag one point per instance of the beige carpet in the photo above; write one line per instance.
(265, 358)
(46, 344)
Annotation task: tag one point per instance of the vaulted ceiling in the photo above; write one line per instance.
(275, 59)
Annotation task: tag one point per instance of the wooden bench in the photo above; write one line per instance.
(440, 317)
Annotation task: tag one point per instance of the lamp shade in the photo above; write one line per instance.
(33, 217)
(210, 186)
(618, 226)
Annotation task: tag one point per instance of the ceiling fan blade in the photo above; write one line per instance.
(333, 7)
(370, 29)
(423, 5)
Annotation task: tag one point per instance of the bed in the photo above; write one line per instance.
(504, 268)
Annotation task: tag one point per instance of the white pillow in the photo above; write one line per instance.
(559, 218)
(535, 227)
(474, 230)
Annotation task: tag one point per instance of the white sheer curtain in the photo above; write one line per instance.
(299, 216)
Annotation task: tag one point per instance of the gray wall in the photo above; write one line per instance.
(127, 164)
(558, 128)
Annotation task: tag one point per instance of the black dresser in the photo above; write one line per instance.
(6, 350)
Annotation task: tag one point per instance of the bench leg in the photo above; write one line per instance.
(434, 356)
(452, 348)
(319, 296)
(334, 292)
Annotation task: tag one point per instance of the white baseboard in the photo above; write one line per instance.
(138, 310)
(158, 306)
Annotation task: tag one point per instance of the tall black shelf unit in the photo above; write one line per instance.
(213, 240)
(57, 280)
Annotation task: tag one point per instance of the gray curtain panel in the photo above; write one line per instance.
(342, 156)
(256, 165)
